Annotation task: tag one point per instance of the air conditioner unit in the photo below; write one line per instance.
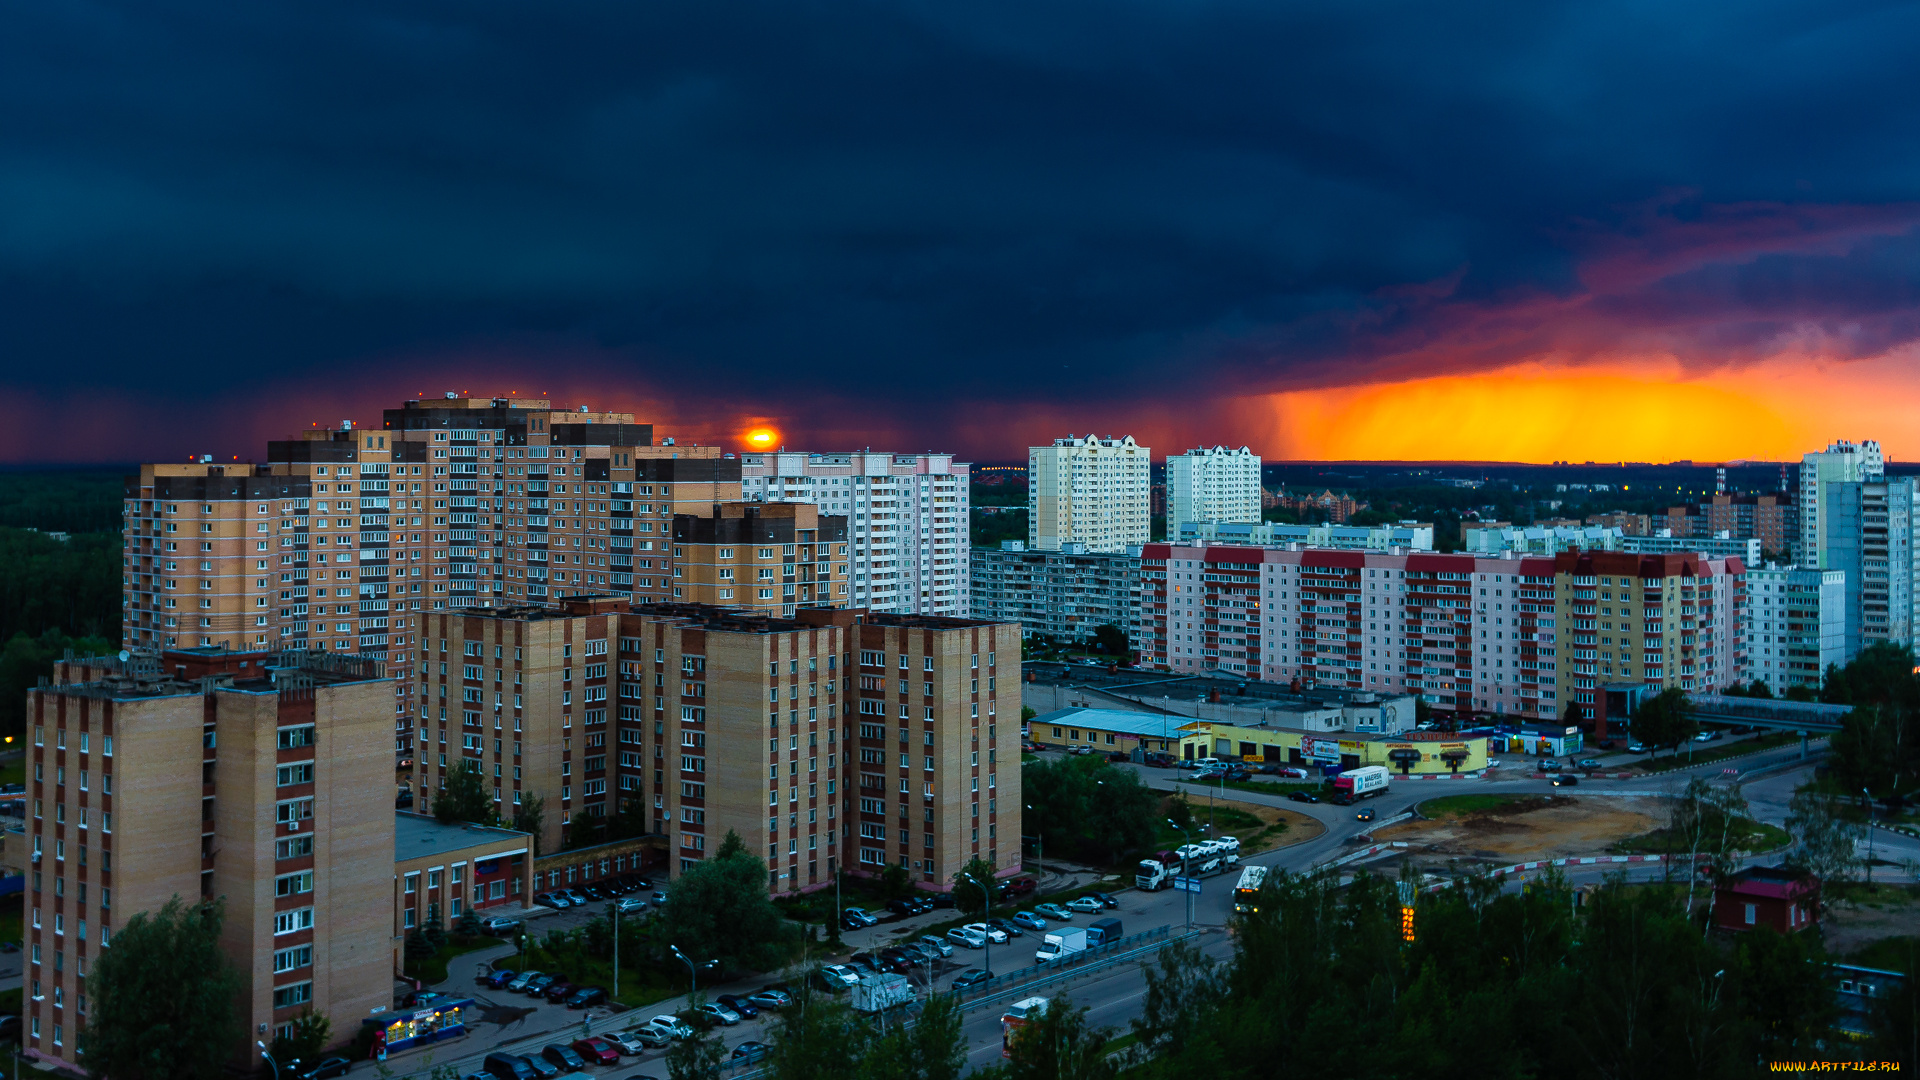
(294, 825)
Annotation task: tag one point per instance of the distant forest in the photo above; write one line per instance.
(55, 594)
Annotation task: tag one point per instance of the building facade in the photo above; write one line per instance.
(1841, 463)
(771, 558)
(1063, 594)
(202, 774)
(907, 520)
(1213, 484)
(1870, 537)
(1411, 535)
(1659, 621)
(1089, 491)
(1795, 625)
(594, 707)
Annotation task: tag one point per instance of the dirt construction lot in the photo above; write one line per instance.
(1530, 828)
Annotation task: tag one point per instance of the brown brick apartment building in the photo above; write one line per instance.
(262, 779)
(890, 721)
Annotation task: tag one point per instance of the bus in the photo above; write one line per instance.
(1246, 895)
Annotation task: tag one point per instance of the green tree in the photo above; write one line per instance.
(308, 1037)
(1123, 813)
(1112, 640)
(464, 796)
(531, 817)
(931, 1048)
(468, 924)
(1059, 1044)
(1825, 843)
(1184, 985)
(895, 881)
(1790, 1002)
(818, 1037)
(163, 997)
(1665, 719)
(698, 1058)
(969, 895)
(435, 931)
(719, 910)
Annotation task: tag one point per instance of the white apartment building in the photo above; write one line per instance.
(1872, 535)
(1843, 463)
(1412, 535)
(907, 521)
(1089, 490)
(1795, 625)
(1213, 485)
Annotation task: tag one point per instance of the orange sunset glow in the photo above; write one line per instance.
(761, 438)
(1774, 410)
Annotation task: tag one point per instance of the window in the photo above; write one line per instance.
(301, 773)
(293, 810)
(293, 738)
(285, 997)
(293, 884)
(293, 959)
(295, 847)
(288, 922)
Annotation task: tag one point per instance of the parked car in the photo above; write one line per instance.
(328, 1067)
(541, 1067)
(563, 1056)
(738, 1004)
(938, 943)
(537, 985)
(586, 997)
(838, 976)
(594, 892)
(900, 958)
(633, 1043)
(1365, 814)
(998, 937)
(972, 939)
(865, 964)
(503, 1066)
(1237, 774)
(1029, 920)
(498, 978)
(1086, 905)
(629, 905)
(1007, 927)
(579, 898)
(671, 1026)
(719, 1013)
(1108, 901)
(1589, 763)
(1566, 780)
(854, 918)
(1053, 911)
(1304, 796)
(1704, 736)
(1636, 747)
(499, 925)
(748, 1052)
(553, 901)
(1493, 763)
(1549, 765)
(943, 899)
(558, 990)
(596, 1051)
(659, 898)
(769, 998)
(518, 984)
(970, 978)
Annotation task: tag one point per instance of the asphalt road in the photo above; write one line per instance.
(1114, 995)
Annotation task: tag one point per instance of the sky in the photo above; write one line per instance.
(1506, 231)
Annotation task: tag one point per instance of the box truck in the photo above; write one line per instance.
(1103, 932)
(1016, 1017)
(1361, 783)
(877, 993)
(1060, 945)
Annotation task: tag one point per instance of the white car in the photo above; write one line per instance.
(628, 905)
(1493, 763)
(998, 937)
(634, 1042)
(1087, 905)
(972, 939)
(671, 1026)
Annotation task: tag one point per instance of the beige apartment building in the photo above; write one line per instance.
(153, 777)
(595, 703)
(764, 557)
(1090, 491)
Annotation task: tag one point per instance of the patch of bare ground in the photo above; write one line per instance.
(1549, 827)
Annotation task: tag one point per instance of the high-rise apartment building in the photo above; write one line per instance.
(1841, 463)
(263, 779)
(771, 558)
(591, 705)
(1089, 491)
(1065, 595)
(1870, 537)
(1795, 626)
(1661, 621)
(1213, 485)
(907, 521)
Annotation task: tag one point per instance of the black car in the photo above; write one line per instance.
(1006, 927)
(970, 978)
(563, 1055)
(866, 962)
(1105, 899)
(1304, 796)
(943, 899)
(594, 892)
(739, 1004)
(586, 997)
(1566, 780)
(328, 1067)
(1238, 774)
(903, 907)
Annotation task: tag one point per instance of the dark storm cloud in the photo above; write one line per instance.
(908, 215)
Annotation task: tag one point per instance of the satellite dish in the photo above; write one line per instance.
(125, 656)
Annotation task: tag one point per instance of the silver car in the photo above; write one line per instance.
(938, 945)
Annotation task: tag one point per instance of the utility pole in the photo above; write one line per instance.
(1869, 798)
(614, 909)
(986, 908)
(1184, 873)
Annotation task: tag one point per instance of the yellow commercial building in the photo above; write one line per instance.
(1409, 753)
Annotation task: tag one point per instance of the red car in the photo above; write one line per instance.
(597, 1051)
(558, 990)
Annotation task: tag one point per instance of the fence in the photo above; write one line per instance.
(1039, 975)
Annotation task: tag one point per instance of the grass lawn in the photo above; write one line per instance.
(1114, 1046)
(10, 909)
(1700, 756)
(1226, 821)
(1754, 837)
(1462, 805)
(15, 771)
(433, 969)
(1887, 954)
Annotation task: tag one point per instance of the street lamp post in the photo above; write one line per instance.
(256, 1042)
(1869, 798)
(986, 909)
(693, 973)
(614, 910)
(1188, 847)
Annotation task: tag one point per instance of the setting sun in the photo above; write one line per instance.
(761, 438)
